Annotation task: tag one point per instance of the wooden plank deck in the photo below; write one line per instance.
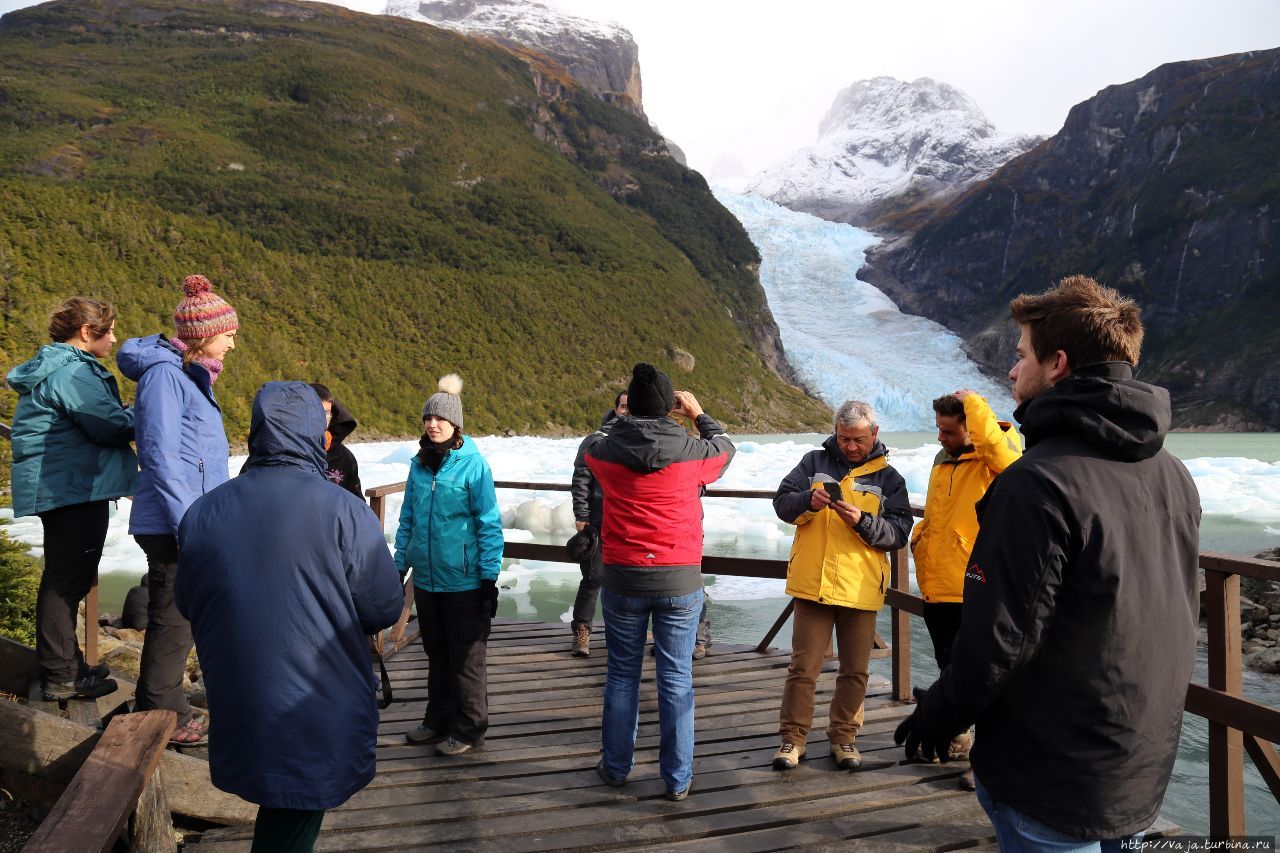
(534, 786)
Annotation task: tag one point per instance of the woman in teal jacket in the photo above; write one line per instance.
(450, 537)
(71, 456)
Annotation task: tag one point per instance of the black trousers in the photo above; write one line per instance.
(286, 830)
(168, 642)
(455, 633)
(73, 539)
(943, 621)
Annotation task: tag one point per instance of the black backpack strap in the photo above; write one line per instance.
(385, 701)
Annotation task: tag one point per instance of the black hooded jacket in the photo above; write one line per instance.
(342, 466)
(588, 498)
(1080, 608)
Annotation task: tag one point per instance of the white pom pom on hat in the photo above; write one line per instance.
(451, 384)
(446, 403)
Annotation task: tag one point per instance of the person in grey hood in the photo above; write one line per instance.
(1078, 629)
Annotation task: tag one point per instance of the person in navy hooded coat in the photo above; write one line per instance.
(282, 574)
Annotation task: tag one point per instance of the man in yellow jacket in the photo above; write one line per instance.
(975, 448)
(838, 573)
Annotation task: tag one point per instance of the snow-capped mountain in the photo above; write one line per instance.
(602, 57)
(886, 145)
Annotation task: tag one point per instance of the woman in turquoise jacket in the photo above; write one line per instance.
(71, 457)
(450, 537)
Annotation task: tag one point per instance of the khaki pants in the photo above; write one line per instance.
(810, 632)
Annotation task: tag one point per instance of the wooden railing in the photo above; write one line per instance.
(1236, 725)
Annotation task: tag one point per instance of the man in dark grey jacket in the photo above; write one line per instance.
(1078, 631)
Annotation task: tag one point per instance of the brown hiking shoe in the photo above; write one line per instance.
(699, 651)
(581, 642)
(846, 756)
(966, 781)
(788, 756)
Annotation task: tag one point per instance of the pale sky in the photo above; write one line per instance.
(752, 80)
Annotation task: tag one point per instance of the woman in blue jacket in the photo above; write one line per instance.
(71, 456)
(450, 536)
(183, 450)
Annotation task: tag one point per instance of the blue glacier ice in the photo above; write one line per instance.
(846, 339)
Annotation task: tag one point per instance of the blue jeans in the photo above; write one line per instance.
(675, 625)
(1018, 832)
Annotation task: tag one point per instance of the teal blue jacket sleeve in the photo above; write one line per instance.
(90, 404)
(406, 526)
(484, 508)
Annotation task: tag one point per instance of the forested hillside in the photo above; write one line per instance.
(382, 202)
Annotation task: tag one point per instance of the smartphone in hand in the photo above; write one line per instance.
(833, 489)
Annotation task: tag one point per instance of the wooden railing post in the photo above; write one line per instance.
(1226, 745)
(900, 621)
(91, 625)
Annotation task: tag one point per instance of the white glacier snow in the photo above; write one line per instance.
(845, 338)
(883, 140)
(1234, 491)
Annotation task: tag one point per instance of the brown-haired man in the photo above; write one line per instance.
(976, 446)
(1080, 599)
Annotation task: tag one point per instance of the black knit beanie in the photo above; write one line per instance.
(650, 394)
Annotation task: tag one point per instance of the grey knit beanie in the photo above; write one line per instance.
(446, 403)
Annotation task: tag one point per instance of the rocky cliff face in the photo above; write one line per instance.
(1165, 188)
(886, 146)
(602, 57)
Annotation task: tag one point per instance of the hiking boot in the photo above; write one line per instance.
(677, 796)
(967, 782)
(424, 736)
(581, 642)
(454, 746)
(846, 756)
(788, 756)
(89, 687)
(699, 652)
(100, 669)
(608, 780)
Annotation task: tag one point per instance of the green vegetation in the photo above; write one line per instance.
(382, 201)
(19, 582)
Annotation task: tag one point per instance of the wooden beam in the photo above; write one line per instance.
(95, 807)
(151, 827)
(1235, 711)
(900, 622)
(91, 624)
(46, 751)
(1226, 744)
(777, 625)
(1265, 759)
(1248, 566)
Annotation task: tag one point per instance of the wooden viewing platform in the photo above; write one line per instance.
(534, 786)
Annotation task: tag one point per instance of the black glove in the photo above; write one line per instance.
(912, 733)
(490, 590)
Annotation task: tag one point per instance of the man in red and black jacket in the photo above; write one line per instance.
(652, 474)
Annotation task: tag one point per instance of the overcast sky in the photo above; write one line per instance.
(752, 80)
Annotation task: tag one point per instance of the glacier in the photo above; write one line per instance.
(845, 339)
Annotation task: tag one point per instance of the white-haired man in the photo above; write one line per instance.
(838, 574)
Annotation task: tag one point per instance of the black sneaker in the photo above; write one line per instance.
(89, 687)
(100, 669)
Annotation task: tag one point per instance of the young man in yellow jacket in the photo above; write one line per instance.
(975, 448)
(838, 573)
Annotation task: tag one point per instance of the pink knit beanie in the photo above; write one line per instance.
(203, 313)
